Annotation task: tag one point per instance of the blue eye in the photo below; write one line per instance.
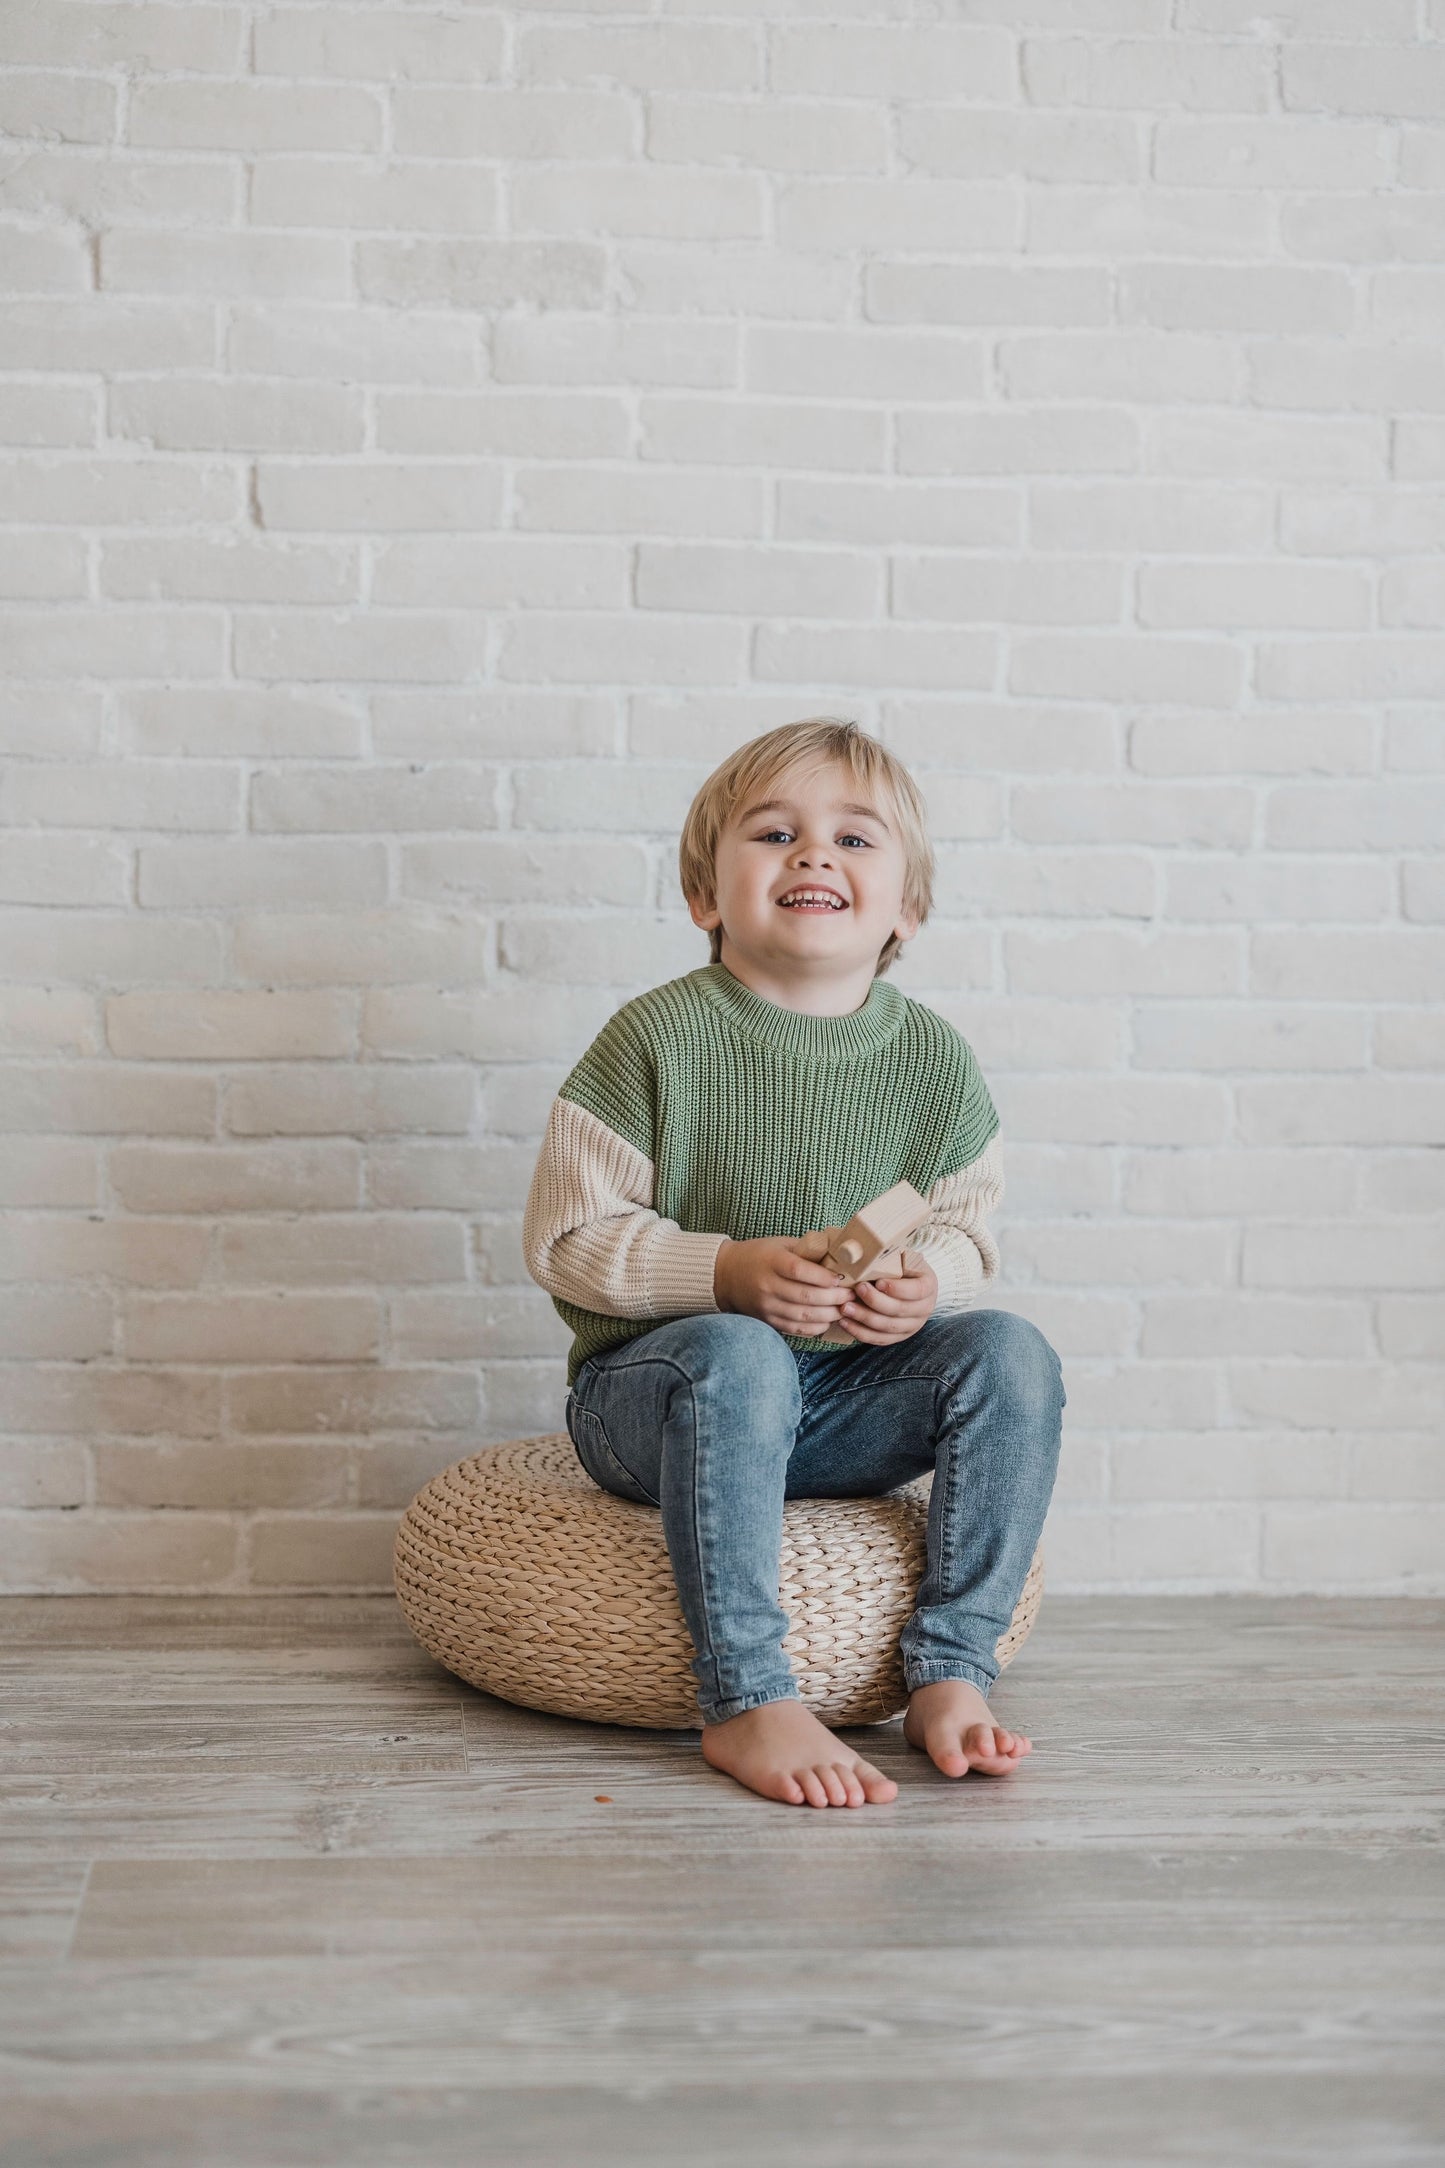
(773, 834)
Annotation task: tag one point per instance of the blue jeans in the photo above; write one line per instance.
(716, 1420)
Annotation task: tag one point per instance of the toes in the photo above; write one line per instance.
(832, 1781)
(875, 1785)
(852, 1789)
(812, 1787)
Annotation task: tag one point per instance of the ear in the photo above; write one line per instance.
(906, 925)
(706, 915)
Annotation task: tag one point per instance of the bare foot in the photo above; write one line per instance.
(784, 1752)
(951, 1722)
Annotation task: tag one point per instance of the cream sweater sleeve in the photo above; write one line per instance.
(590, 1236)
(957, 1240)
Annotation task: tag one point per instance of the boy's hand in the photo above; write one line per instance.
(882, 1311)
(775, 1279)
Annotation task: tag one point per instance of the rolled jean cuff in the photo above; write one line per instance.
(927, 1674)
(741, 1703)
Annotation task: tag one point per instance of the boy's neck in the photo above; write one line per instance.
(837, 994)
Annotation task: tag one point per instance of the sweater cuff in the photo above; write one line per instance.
(959, 1271)
(680, 1272)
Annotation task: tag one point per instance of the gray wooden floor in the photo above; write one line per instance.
(276, 1889)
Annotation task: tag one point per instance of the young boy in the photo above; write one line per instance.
(714, 1123)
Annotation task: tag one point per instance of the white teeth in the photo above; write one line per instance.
(811, 895)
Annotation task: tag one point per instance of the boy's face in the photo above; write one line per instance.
(816, 832)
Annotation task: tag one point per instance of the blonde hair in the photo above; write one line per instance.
(759, 764)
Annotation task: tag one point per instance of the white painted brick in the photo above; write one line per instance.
(602, 951)
(105, 1100)
(746, 280)
(222, 265)
(222, 720)
(525, 869)
(1250, 1035)
(302, 1401)
(1005, 294)
(605, 500)
(381, 45)
(1129, 367)
(74, 1554)
(775, 134)
(1016, 590)
(557, 423)
(584, 350)
(435, 121)
(1236, 298)
(87, 1399)
(349, 1102)
(362, 949)
(1030, 145)
(42, 1472)
(1155, 517)
(965, 517)
(378, 497)
(1361, 1254)
(490, 1177)
(1340, 1110)
(320, 1252)
(653, 56)
(1230, 1464)
(1205, 964)
(1240, 1184)
(479, 274)
(506, 1024)
(1404, 84)
(48, 1171)
(1272, 152)
(619, 650)
(60, 108)
(1127, 669)
(1067, 440)
(239, 1328)
(135, 796)
(1413, 594)
(1331, 744)
(210, 1179)
(897, 59)
(1217, 814)
(61, 870)
(224, 1026)
(758, 581)
(44, 1324)
(883, 655)
(259, 872)
(1369, 667)
(493, 724)
(641, 200)
(1350, 1548)
(1253, 594)
(314, 800)
(1286, 448)
(489, 1322)
(63, 1245)
(45, 1020)
(197, 39)
(396, 538)
(1378, 815)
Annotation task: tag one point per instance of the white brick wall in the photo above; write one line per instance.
(434, 435)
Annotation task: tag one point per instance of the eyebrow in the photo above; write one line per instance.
(780, 805)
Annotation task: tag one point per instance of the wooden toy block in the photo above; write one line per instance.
(872, 1245)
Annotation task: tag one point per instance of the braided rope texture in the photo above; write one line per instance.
(525, 1578)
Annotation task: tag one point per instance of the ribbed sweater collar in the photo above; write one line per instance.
(821, 1038)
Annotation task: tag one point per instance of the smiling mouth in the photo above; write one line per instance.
(811, 899)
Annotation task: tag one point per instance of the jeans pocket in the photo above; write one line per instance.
(597, 1457)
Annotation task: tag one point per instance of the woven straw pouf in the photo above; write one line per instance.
(523, 1576)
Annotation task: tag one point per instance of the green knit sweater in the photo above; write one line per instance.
(758, 1120)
